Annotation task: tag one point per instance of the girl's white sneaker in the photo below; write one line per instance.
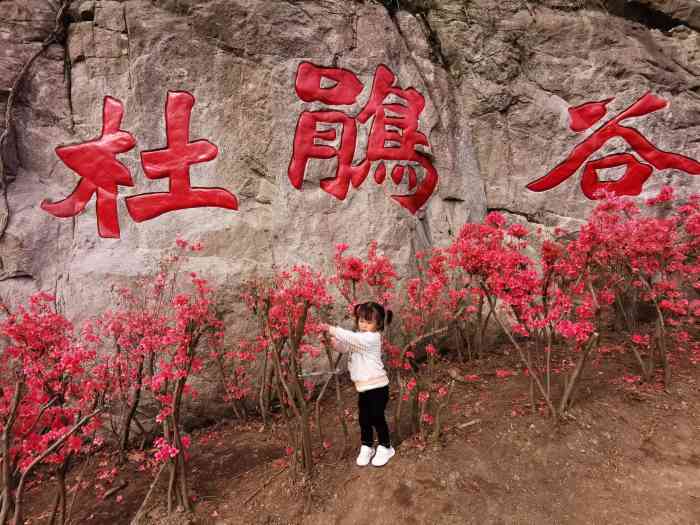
(382, 456)
(365, 455)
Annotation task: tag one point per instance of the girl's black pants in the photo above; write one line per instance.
(372, 404)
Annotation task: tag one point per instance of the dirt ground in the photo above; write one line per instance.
(629, 454)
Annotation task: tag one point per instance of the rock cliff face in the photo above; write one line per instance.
(498, 79)
(521, 65)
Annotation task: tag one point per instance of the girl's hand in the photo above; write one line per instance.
(324, 327)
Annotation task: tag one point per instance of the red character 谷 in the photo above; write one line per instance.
(636, 172)
(393, 135)
(174, 162)
(95, 162)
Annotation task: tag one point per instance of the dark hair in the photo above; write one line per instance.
(373, 312)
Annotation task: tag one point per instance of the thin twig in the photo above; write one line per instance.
(55, 446)
(270, 480)
(523, 357)
(86, 462)
(116, 489)
(142, 508)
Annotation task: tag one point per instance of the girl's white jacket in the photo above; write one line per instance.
(365, 359)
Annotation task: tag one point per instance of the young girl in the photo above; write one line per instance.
(368, 374)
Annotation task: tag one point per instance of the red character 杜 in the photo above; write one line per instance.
(95, 161)
(101, 173)
(174, 162)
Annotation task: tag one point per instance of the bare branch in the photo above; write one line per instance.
(54, 37)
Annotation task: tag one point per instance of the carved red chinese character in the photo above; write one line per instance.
(306, 148)
(309, 85)
(636, 173)
(393, 135)
(174, 162)
(95, 162)
(308, 136)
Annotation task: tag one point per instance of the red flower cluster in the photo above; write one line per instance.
(48, 394)
(161, 332)
(372, 279)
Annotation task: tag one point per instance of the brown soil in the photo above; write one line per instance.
(629, 454)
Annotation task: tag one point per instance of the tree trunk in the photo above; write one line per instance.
(573, 381)
(178, 473)
(661, 338)
(60, 502)
(522, 355)
(8, 502)
(264, 393)
(17, 518)
(340, 405)
(642, 365)
(399, 402)
(306, 443)
(126, 424)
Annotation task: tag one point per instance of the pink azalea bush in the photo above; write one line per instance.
(288, 309)
(164, 330)
(631, 271)
(50, 401)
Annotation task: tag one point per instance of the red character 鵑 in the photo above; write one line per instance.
(393, 134)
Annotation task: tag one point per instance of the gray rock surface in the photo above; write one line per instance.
(684, 11)
(498, 77)
(522, 65)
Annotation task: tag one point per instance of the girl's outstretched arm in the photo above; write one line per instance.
(338, 346)
(348, 341)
